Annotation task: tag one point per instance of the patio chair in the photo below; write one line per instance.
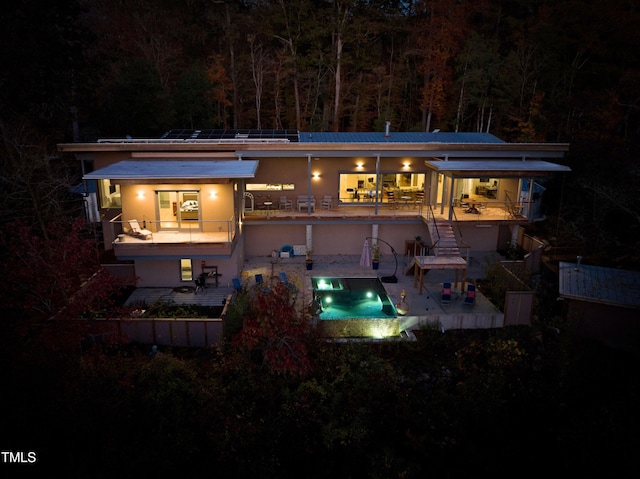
(470, 298)
(236, 284)
(326, 202)
(419, 198)
(283, 277)
(201, 283)
(391, 199)
(285, 204)
(139, 232)
(260, 282)
(446, 293)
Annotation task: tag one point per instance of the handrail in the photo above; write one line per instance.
(119, 226)
(464, 244)
(431, 219)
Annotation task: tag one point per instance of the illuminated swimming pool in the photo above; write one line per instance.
(352, 298)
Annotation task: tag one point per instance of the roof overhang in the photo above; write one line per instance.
(495, 168)
(171, 170)
(512, 151)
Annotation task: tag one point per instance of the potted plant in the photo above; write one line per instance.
(309, 259)
(375, 255)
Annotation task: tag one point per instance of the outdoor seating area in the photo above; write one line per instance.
(421, 306)
(306, 202)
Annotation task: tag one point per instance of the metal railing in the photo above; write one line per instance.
(220, 231)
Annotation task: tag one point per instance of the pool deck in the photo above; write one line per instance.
(424, 309)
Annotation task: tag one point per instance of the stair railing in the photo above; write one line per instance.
(458, 232)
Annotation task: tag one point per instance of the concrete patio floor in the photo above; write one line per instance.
(425, 308)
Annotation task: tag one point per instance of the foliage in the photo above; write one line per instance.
(376, 253)
(273, 333)
(162, 309)
(499, 278)
(54, 276)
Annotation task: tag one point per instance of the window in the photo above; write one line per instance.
(109, 194)
(354, 187)
(186, 270)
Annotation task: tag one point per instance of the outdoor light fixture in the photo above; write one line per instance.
(406, 165)
(359, 165)
(316, 176)
(140, 195)
(213, 195)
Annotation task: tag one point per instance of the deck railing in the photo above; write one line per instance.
(220, 231)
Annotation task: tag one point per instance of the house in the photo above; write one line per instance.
(208, 199)
(602, 303)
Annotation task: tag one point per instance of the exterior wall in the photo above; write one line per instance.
(216, 202)
(329, 239)
(295, 170)
(483, 238)
(158, 273)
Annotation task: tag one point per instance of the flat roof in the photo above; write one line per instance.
(598, 284)
(175, 170)
(495, 167)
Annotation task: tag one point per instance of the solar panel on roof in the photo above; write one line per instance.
(222, 134)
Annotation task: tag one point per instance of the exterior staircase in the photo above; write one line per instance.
(444, 240)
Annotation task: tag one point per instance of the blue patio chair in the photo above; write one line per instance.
(470, 297)
(446, 293)
(283, 277)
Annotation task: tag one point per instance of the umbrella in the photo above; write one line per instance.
(365, 258)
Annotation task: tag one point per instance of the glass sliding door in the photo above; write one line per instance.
(178, 210)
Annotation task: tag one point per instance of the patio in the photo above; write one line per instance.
(423, 308)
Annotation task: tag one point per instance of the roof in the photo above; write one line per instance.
(495, 167)
(598, 284)
(175, 169)
(235, 134)
(398, 137)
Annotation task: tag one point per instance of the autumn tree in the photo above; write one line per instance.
(273, 334)
(54, 276)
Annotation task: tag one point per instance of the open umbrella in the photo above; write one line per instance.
(365, 257)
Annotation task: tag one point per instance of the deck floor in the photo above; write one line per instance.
(421, 306)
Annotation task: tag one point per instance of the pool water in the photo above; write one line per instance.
(352, 298)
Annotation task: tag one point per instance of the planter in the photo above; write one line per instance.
(375, 264)
(309, 265)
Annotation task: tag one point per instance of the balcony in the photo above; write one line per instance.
(208, 238)
(474, 211)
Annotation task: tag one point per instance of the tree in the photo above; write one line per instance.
(273, 334)
(54, 276)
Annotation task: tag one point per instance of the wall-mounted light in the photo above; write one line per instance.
(406, 165)
(141, 195)
(316, 175)
(213, 194)
(359, 165)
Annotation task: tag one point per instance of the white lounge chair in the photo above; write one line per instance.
(139, 232)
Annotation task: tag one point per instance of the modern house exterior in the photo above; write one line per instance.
(197, 201)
